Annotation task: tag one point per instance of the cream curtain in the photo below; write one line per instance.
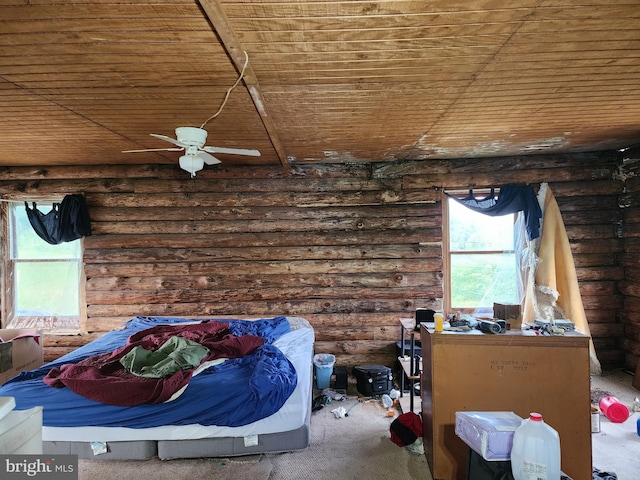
(552, 275)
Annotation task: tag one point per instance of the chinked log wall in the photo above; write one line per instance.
(630, 260)
(350, 247)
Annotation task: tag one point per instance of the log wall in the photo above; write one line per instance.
(351, 247)
(630, 260)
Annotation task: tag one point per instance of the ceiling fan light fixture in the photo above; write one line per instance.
(191, 163)
(190, 140)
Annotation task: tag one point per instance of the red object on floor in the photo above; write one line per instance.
(613, 409)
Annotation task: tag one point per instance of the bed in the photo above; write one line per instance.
(235, 402)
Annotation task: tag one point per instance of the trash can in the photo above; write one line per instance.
(324, 369)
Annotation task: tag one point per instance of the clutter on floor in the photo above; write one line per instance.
(406, 431)
(613, 390)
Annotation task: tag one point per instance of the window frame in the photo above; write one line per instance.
(446, 248)
(8, 296)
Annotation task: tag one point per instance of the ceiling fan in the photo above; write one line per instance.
(192, 140)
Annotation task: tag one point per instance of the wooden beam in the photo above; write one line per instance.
(233, 46)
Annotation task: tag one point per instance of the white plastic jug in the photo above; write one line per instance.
(535, 454)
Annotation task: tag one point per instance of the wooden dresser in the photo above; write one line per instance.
(515, 371)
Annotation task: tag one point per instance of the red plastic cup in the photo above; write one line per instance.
(613, 409)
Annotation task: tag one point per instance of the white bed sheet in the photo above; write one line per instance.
(297, 345)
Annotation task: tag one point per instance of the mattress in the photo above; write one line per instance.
(283, 430)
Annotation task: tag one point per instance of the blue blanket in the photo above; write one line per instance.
(234, 393)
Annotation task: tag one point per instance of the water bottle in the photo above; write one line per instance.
(535, 454)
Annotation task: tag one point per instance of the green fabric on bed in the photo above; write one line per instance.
(175, 354)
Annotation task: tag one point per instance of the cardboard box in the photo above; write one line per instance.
(20, 350)
(511, 312)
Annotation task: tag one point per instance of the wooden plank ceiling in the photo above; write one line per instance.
(326, 81)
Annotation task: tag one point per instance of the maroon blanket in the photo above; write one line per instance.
(102, 378)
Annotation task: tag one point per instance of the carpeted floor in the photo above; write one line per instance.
(353, 447)
(242, 468)
(359, 447)
(616, 448)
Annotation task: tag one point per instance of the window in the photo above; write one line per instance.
(42, 282)
(481, 264)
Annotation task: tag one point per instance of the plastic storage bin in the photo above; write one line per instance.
(323, 363)
(21, 432)
(489, 434)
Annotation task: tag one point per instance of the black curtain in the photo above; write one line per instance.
(512, 198)
(67, 220)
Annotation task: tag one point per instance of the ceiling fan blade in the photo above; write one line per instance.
(172, 149)
(233, 151)
(168, 139)
(208, 159)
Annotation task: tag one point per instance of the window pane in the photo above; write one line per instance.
(473, 231)
(46, 288)
(29, 245)
(479, 280)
